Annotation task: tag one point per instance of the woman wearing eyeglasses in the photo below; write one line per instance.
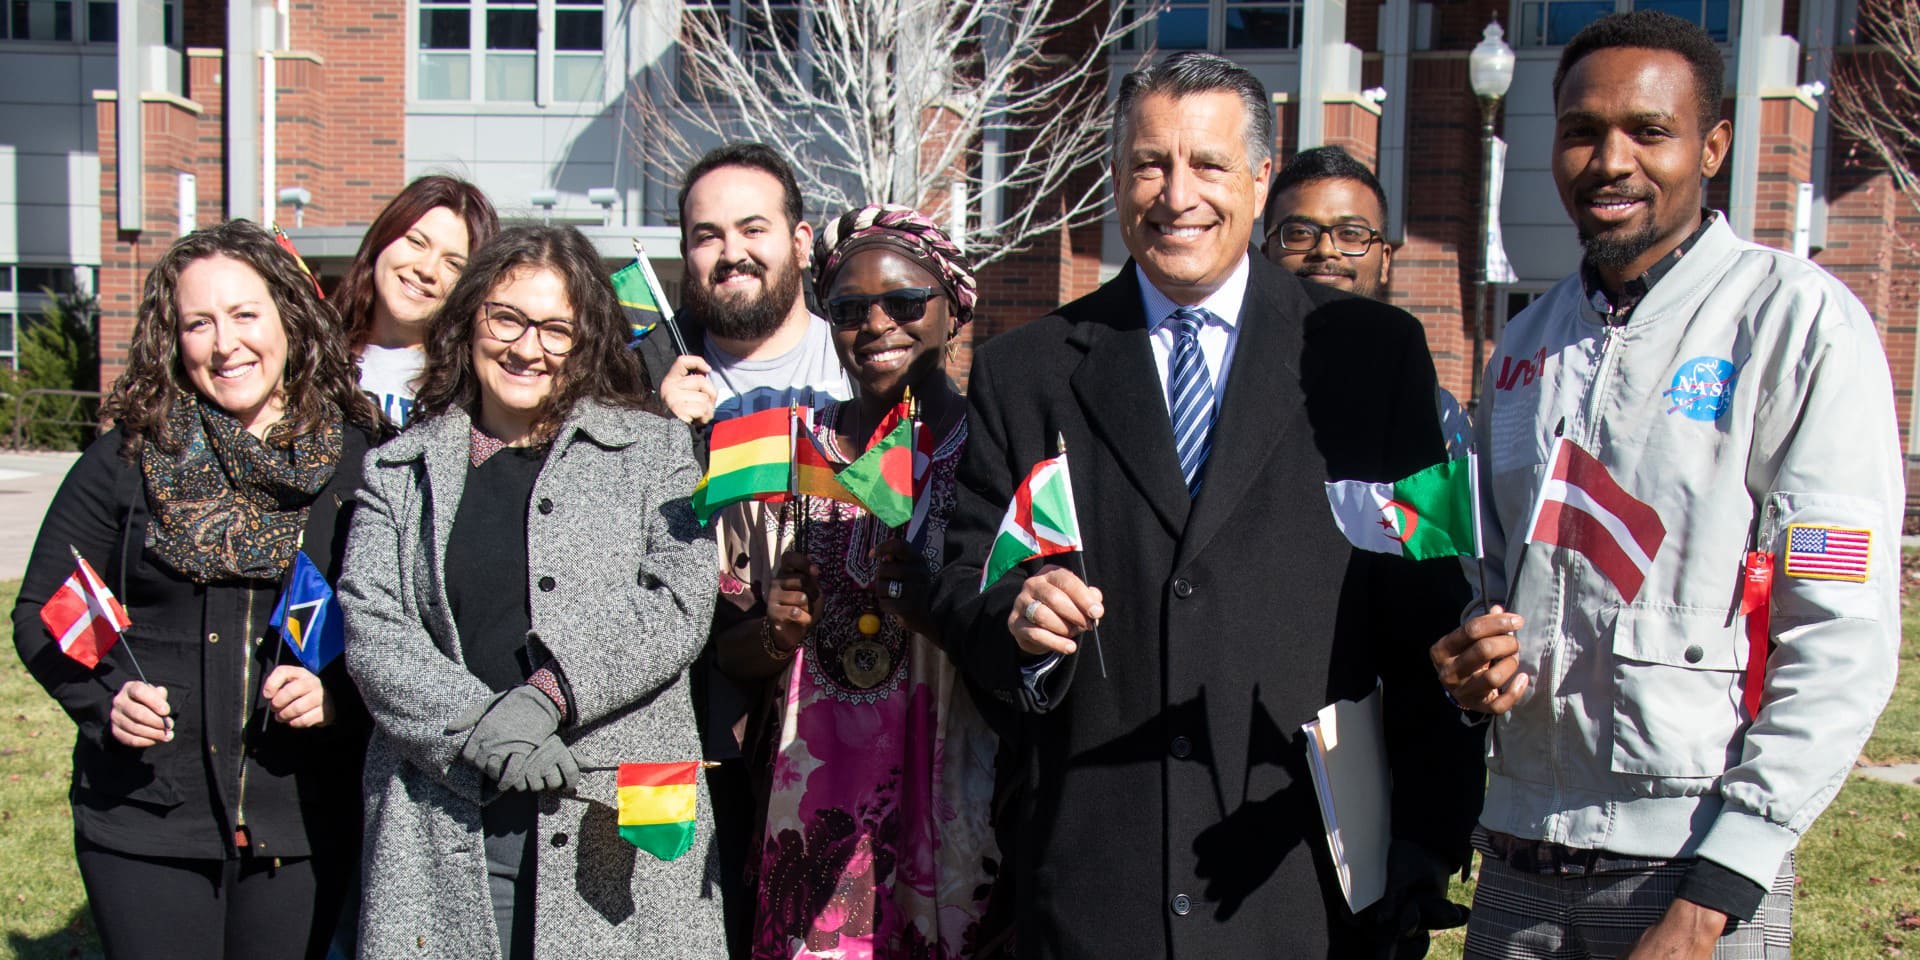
(524, 590)
(879, 767)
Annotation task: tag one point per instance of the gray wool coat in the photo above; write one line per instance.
(625, 613)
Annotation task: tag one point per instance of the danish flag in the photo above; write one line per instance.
(83, 615)
(1583, 508)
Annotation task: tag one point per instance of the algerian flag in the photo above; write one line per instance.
(1434, 513)
(1040, 522)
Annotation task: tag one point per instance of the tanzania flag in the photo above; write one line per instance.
(308, 617)
(1040, 522)
(749, 459)
(637, 300)
(1434, 513)
(812, 470)
(657, 806)
(883, 476)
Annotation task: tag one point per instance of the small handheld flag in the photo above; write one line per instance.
(309, 617)
(1433, 513)
(1584, 509)
(813, 474)
(83, 616)
(637, 300)
(750, 458)
(286, 243)
(657, 806)
(656, 297)
(1040, 522)
(882, 477)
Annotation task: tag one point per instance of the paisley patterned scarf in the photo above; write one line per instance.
(229, 505)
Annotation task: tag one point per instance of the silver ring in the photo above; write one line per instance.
(1027, 612)
(893, 589)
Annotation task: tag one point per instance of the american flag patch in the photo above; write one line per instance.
(1828, 553)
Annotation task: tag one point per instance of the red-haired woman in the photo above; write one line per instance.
(407, 263)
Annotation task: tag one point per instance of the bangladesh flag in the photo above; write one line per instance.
(749, 459)
(1040, 522)
(883, 476)
(657, 802)
(1434, 513)
(637, 300)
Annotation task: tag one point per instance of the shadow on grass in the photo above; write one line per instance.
(75, 940)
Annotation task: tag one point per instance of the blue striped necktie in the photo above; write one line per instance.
(1190, 389)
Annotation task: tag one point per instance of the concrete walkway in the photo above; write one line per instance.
(27, 484)
(1907, 774)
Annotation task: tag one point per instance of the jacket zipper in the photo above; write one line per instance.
(246, 680)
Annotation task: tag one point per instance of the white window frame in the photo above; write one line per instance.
(544, 55)
(736, 12)
(1521, 41)
(82, 30)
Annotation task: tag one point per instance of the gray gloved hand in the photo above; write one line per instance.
(510, 726)
(550, 766)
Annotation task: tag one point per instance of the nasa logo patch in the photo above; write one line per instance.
(1702, 388)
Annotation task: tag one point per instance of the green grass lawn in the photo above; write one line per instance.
(1859, 866)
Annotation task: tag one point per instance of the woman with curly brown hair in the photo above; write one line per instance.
(408, 262)
(215, 790)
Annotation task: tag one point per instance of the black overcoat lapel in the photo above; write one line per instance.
(1119, 393)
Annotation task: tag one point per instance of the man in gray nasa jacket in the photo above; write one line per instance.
(1694, 489)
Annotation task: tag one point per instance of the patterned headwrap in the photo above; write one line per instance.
(906, 232)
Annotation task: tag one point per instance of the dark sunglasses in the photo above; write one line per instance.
(904, 305)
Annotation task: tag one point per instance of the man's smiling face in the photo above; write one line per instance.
(1185, 192)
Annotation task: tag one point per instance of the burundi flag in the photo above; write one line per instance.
(1433, 513)
(657, 803)
(749, 459)
(638, 300)
(83, 616)
(883, 476)
(309, 617)
(1040, 522)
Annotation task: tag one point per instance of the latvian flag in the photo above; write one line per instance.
(1040, 522)
(1583, 509)
(83, 615)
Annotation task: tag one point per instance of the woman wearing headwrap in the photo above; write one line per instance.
(877, 840)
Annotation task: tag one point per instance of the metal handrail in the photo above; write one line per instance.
(29, 404)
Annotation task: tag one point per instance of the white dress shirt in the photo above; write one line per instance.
(1218, 336)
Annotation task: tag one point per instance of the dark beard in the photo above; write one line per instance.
(754, 319)
(1616, 253)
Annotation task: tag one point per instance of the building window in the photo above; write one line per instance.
(1221, 26)
(72, 21)
(1545, 23)
(10, 339)
(756, 30)
(496, 51)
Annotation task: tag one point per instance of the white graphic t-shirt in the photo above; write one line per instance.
(389, 375)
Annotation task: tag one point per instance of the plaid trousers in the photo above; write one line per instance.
(1596, 914)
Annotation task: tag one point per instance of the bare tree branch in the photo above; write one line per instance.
(1876, 90)
(990, 115)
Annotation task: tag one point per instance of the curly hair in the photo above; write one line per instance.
(321, 379)
(599, 367)
(356, 295)
(1653, 30)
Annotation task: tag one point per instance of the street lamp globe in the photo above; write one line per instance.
(1490, 65)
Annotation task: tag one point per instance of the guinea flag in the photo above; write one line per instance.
(1433, 513)
(883, 476)
(749, 459)
(1040, 522)
(657, 803)
(637, 301)
(812, 470)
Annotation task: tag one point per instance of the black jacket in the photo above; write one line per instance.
(1167, 808)
(298, 791)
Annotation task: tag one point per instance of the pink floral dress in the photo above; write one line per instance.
(877, 841)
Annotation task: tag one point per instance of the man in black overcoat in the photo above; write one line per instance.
(1165, 807)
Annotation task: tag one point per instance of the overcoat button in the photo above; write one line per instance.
(1182, 588)
(546, 584)
(1694, 653)
(559, 839)
(1181, 748)
(1181, 905)
(546, 505)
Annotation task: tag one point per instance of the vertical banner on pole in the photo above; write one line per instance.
(1499, 268)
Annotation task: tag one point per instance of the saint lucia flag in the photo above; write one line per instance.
(309, 617)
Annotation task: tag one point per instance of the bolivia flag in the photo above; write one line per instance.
(1040, 522)
(749, 458)
(637, 300)
(83, 616)
(1434, 513)
(883, 476)
(657, 806)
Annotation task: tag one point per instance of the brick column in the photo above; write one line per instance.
(1786, 161)
(1353, 125)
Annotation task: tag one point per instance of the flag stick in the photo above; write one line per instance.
(660, 297)
(1080, 555)
(704, 765)
(132, 660)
